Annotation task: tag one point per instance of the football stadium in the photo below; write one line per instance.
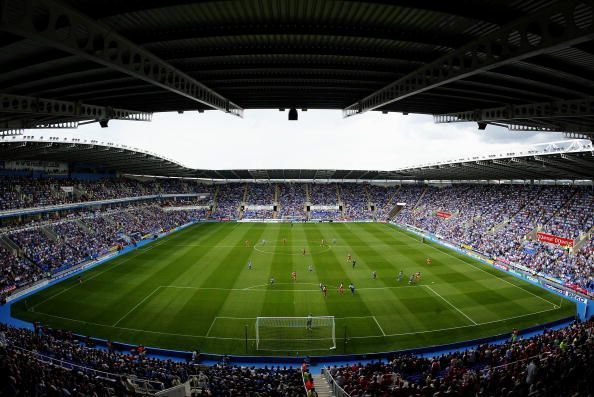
(136, 270)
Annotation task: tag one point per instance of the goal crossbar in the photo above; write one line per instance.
(295, 333)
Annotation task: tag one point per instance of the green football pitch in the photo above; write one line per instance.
(193, 290)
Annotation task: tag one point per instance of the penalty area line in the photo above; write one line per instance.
(108, 268)
(252, 339)
(135, 307)
(478, 267)
(450, 303)
(379, 326)
(211, 325)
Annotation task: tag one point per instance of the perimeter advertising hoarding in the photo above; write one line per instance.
(552, 239)
(443, 214)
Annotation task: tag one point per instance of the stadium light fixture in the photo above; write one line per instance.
(293, 116)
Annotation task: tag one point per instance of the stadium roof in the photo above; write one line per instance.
(524, 64)
(573, 160)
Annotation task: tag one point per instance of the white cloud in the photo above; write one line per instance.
(320, 139)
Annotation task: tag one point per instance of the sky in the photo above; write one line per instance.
(320, 139)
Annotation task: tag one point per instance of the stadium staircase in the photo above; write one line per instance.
(85, 227)
(395, 211)
(246, 190)
(9, 244)
(583, 239)
(499, 226)
(339, 201)
(307, 200)
(49, 233)
(275, 201)
(540, 227)
(214, 199)
(322, 386)
(391, 198)
(420, 197)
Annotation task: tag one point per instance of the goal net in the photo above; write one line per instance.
(297, 334)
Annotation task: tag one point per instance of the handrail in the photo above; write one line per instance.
(67, 365)
(337, 390)
(303, 380)
(538, 356)
(56, 207)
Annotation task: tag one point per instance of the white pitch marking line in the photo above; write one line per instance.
(352, 337)
(378, 325)
(211, 324)
(86, 280)
(138, 304)
(491, 274)
(449, 303)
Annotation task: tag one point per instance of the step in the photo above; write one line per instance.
(322, 386)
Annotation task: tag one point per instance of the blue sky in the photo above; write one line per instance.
(319, 139)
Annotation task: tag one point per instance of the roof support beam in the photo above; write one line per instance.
(30, 105)
(68, 30)
(568, 108)
(552, 27)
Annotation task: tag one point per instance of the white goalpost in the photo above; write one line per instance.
(295, 333)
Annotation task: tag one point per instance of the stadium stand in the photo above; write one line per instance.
(499, 221)
(292, 201)
(556, 363)
(55, 362)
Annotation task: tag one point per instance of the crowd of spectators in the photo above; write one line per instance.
(18, 192)
(556, 363)
(502, 222)
(229, 198)
(292, 201)
(260, 194)
(57, 246)
(499, 221)
(25, 355)
(379, 197)
(16, 271)
(258, 214)
(355, 202)
(324, 193)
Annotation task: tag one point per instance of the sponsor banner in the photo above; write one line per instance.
(576, 288)
(468, 247)
(324, 207)
(9, 288)
(502, 260)
(500, 266)
(67, 189)
(250, 207)
(25, 291)
(257, 220)
(533, 279)
(443, 214)
(552, 239)
(575, 296)
(186, 208)
(553, 288)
